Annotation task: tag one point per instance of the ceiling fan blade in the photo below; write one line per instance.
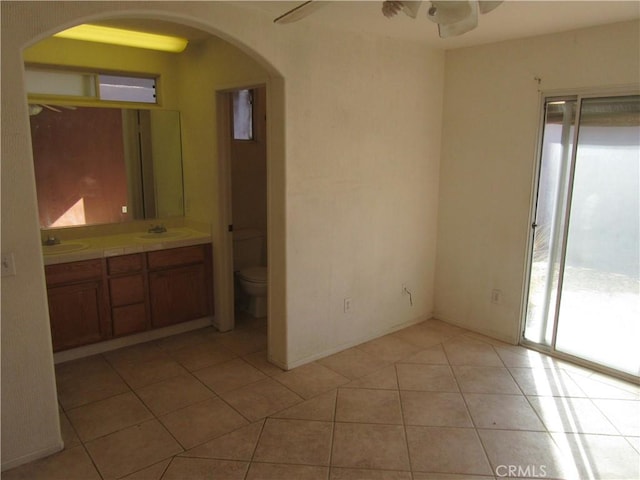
(34, 109)
(53, 109)
(463, 26)
(486, 5)
(299, 12)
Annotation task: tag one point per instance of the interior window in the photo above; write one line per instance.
(46, 82)
(243, 115)
(127, 89)
(90, 85)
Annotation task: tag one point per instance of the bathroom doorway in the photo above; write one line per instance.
(245, 135)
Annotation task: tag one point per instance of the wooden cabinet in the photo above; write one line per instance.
(179, 285)
(77, 307)
(94, 300)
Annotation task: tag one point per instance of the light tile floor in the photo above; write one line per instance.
(432, 401)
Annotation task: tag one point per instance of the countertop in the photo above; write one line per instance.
(121, 244)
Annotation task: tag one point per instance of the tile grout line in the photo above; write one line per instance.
(473, 422)
(404, 423)
(255, 447)
(84, 447)
(529, 399)
(333, 433)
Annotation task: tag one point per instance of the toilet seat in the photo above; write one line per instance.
(254, 274)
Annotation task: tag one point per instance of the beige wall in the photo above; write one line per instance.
(353, 187)
(363, 138)
(490, 121)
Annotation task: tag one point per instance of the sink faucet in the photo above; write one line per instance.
(157, 229)
(51, 240)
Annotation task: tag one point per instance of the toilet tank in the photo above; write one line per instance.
(249, 248)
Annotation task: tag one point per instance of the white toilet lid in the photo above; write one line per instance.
(254, 274)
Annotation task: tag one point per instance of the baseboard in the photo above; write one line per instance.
(344, 346)
(116, 343)
(45, 452)
(486, 332)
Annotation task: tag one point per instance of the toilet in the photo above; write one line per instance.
(253, 281)
(249, 260)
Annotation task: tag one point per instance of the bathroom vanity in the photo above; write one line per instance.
(140, 285)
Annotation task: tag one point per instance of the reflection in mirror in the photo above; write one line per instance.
(106, 165)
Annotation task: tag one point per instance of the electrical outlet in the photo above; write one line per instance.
(347, 305)
(496, 296)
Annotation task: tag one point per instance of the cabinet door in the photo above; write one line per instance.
(178, 295)
(76, 315)
(129, 319)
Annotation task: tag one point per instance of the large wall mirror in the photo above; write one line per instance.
(96, 165)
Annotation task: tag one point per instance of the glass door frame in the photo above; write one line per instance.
(578, 95)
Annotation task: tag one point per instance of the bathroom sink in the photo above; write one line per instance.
(163, 235)
(67, 247)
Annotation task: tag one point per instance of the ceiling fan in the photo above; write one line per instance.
(454, 17)
(36, 108)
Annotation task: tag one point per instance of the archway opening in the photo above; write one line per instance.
(205, 198)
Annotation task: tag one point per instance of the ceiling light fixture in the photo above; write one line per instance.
(126, 38)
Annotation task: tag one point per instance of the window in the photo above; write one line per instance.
(44, 82)
(243, 115)
(127, 89)
(91, 85)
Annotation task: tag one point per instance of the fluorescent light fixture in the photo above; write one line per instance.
(126, 38)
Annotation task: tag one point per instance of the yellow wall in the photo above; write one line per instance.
(208, 67)
(490, 122)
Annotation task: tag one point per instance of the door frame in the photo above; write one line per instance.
(226, 320)
(276, 241)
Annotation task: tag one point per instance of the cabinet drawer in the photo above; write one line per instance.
(176, 257)
(125, 264)
(73, 271)
(126, 290)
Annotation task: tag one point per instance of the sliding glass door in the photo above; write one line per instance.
(584, 286)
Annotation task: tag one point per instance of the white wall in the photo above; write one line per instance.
(490, 123)
(363, 130)
(356, 167)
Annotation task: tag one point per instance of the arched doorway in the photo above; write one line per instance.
(216, 201)
(38, 436)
